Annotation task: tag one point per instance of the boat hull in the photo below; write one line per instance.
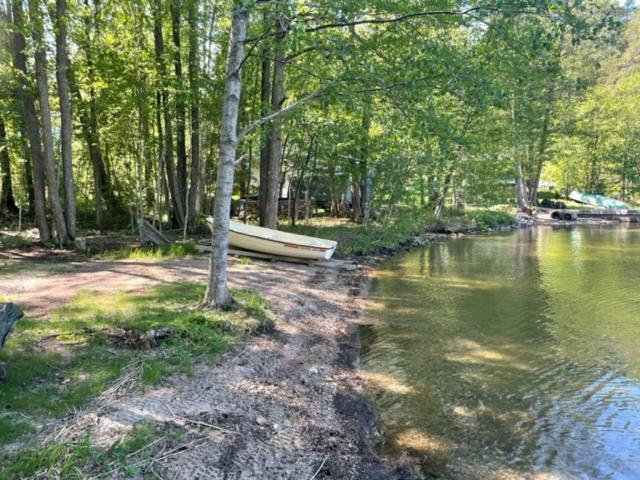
(279, 248)
(278, 243)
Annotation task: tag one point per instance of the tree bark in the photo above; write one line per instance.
(62, 65)
(217, 290)
(275, 133)
(177, 199)
(47, 130)
(181, 149)
(25, 95)
(195, 179)
(265, 100)
(7, 199)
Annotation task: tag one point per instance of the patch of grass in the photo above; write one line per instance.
(126, 457)
(63, 362)
(167, 252)
(483, 218)
(355, 239)
(14, 241)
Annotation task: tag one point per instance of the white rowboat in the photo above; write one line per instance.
(275, 242)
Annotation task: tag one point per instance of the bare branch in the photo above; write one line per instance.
(269, 118)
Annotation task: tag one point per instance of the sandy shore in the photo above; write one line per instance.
(289, 405)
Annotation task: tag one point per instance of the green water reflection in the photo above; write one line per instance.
(511, 356)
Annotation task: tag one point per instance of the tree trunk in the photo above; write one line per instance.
(160, 170)
(7, 200)
(181, 149)
(24, 93)
(275, 134)
(42, 85)
(366, 179)
(62, 64)
(195, 179)
(217, 291)
(265, 97)
(172, 178)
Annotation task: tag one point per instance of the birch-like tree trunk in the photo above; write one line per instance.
(42, 84)
(62, 65)
(217, 291)
(24, 93)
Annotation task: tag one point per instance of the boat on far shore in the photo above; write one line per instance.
(278, 243)
(597, 200)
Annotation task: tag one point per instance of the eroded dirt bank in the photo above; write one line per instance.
(289, 405)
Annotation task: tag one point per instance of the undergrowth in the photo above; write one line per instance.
(389, 233)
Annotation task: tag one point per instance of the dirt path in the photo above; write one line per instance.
(290, 405)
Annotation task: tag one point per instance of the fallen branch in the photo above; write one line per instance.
(320, 467)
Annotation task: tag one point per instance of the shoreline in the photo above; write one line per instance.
(296, 397)
(403, 466)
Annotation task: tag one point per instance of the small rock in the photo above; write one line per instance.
(260, 420)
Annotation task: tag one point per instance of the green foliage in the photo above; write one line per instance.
(389, 234)
(355, 239)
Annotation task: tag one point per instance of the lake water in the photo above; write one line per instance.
(511, 356)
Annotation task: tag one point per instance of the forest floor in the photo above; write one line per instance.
(286, 404)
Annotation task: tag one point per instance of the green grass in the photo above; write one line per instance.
(479, 218)
(63, 362)
(355, 239)
(76, 461)
(13, 241)
(172, 251)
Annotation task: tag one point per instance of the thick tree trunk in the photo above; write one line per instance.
(217, 291)
(181, 148)
(265, 100)
(195, 180)
(7, 200)
(62, 65)
(275, 134)
(47, 130)
(177, 198)
(25, 95)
